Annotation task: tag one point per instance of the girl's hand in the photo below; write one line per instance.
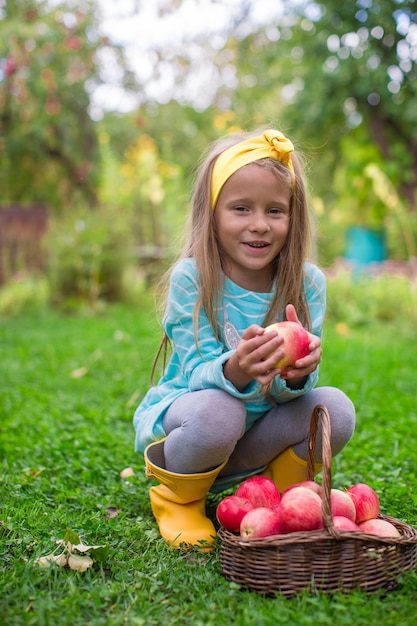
(257, 353)
(308, 364)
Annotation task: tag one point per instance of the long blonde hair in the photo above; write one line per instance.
(201, 245)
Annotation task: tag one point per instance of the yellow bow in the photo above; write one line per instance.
(271, 144)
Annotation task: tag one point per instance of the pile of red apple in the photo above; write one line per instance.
(258, 509)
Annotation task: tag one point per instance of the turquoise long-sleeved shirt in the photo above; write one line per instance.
(192, 368)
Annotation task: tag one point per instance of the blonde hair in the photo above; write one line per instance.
(201, 244)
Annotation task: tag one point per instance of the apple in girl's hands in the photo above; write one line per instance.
(261, 491)
(231, 510)
(296, 343)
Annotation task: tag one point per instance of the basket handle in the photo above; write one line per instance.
(321, 413)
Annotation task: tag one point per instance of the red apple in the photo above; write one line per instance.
(231, 510)
(342, 504)
(365, 500)
(260, 522)
(300, 510)
(344, 523)
(309, 484)
(260, 491)
(379, 527)
(296, 343)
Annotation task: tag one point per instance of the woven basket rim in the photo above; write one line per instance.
(311, 536)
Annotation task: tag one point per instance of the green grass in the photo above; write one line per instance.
(68, 389)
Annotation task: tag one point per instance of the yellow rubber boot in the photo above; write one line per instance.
(178, 503)
(288, 469)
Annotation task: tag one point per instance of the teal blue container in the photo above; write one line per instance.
(365, 246)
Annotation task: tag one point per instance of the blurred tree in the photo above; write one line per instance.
(332, 68)
(175, 135)
(48, 66)
(338, 77)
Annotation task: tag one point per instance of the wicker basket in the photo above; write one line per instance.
(326, 560)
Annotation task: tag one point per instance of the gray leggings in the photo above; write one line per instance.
(206, 427)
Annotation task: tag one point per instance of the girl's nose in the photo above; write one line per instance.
(259, 222)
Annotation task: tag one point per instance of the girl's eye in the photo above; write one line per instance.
(275, 211)
(240, 208)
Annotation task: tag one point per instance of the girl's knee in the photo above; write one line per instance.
(210, 415)
(343, 417)
(225, 417)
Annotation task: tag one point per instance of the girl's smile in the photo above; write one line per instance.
(252, 221)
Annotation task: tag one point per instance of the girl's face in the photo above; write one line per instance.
(252, 218)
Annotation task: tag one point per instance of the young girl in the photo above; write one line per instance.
(221, 411)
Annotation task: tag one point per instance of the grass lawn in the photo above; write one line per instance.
(68, 389)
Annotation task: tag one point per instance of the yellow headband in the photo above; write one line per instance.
(271, 144)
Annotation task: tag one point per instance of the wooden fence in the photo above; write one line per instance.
(21, 233)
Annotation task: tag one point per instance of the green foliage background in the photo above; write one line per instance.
(338, 78)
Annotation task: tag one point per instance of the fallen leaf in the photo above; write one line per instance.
(34, 473)
(59, 559)
(81, 547)
(67, 558)
(71, 537)
(112, 512)
(133, 398)
(97, 354)
(79, 372)
(127, 472)
(100, 553)
(79, 563)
